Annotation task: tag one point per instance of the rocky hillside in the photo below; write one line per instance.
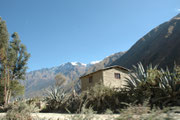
(37, 81)
(160, 46)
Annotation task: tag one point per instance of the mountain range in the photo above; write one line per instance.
(38, 80)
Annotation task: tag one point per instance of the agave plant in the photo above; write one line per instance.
(141, 77)
(143, 84)
(161, 86)
(55, 93)
(170, 87)
(170, 81)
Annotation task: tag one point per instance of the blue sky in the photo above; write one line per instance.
(59, 31)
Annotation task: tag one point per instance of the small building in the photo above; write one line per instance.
(113, 77)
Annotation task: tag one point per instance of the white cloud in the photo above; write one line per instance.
(178, 9)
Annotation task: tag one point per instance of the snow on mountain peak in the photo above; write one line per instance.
(74, 63)
(77, 63)
(94, 62)
(83, 64)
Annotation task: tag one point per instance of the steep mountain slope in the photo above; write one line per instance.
(160, 46)
(37, 81)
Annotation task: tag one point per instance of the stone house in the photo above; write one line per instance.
(113, 77)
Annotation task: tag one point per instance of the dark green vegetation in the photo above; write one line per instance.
(150, 86)
(13, 60)
(160, 87)
(160, 47)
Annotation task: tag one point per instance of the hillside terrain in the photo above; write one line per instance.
(160, 47)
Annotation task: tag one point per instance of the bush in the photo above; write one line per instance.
(101, 98)
(160, 87)
(6, 108)
(58, 101)
(20, 111)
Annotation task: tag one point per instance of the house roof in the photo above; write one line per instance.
(107, 68)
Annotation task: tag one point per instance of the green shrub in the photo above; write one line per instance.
(6, 108)
(168, 93)
(160, 87)
(58, 101)
(20, 111)
(101, 98)
(54, 98)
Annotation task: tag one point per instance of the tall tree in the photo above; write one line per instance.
(4, 38)
(17, 65)
(13, 64)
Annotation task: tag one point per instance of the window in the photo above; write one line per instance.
(90, 79)
(117, 75)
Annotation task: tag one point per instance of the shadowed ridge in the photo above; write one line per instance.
(159, 46)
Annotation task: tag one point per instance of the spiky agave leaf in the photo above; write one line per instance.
(55, 93)
(170, 82)
(139, 77)
(136, 77)
(169, 88)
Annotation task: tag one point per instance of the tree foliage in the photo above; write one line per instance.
(20, 58)
(60, 79)
(4, 38)
(13, 63)
(16, 88)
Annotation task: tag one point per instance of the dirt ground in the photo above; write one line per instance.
(55, 116)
